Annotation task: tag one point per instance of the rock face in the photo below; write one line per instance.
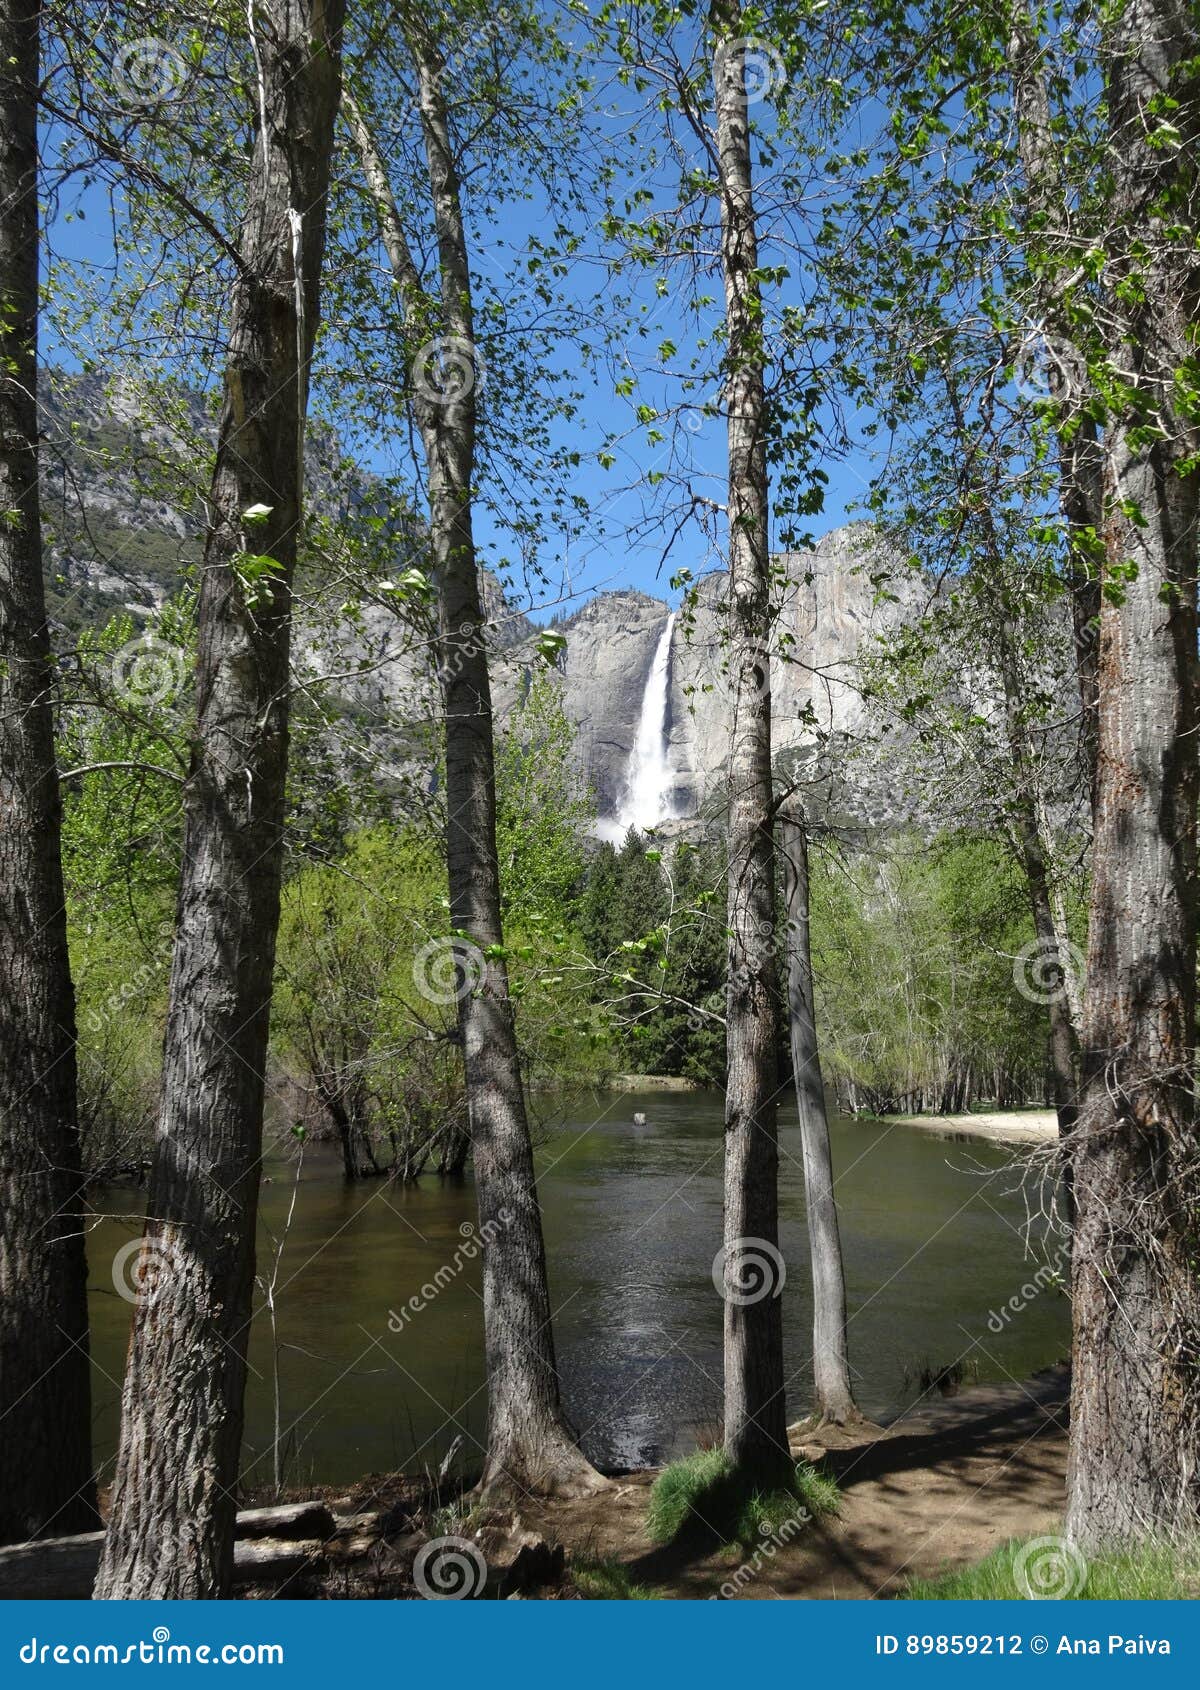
(829, 615)
(123, 524)
(610, 646)
(124, 486)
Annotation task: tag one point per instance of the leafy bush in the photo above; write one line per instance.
(122, 743)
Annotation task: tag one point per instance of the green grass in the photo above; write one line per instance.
(606, 1580)
(1152, 1574)
(703, 1494)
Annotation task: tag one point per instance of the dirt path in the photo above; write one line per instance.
(935, 1491)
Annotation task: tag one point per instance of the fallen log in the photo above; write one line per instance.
(266, 1560)
(53, 1567)
(64, 1568)
(287, 1520)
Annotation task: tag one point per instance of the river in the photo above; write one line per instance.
(934, 1239)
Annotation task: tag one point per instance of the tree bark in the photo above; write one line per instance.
(1064, 1047)
(1080, 459)
(1022, 814)
(171, 1526)
(1134, 1466)
(46, 1481)
(755, 1417)
(1025, 824)
(529, 1448)
(833, 1394)
(1081, 483)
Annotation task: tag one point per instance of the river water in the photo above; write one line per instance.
(934, 1235)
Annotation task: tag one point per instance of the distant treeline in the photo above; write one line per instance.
(617, 954)
(926, 997)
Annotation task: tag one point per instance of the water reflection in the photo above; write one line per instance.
(934, 1236)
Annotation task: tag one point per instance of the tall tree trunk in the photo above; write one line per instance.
(1025, 823)
(529, 1447)
(1081, 484)
(345, 1126)
(755, 1420)
(1072, 982)
(170, 1531)
(1023, 815)
(1064, 1048)
(833, 1394)
(1080, 458)
(46, 1482)
(1134, 1468)
(454, 1146)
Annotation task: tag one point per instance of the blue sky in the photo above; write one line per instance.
(624, 547)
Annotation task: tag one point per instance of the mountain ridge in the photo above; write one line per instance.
(123, 526)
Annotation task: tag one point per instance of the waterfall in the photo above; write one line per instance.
(649, 794)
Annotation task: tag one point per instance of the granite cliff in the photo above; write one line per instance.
(123, 526)
(830, 612)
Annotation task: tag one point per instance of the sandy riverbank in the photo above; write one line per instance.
(1015, 1126)
(651, 1082)
(1001, 1126)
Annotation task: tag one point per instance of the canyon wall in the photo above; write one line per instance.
(830, 613)
(124, 524)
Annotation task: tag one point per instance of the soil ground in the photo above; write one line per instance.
(936, 1491)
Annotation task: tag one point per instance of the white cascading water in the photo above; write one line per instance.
(649, 792)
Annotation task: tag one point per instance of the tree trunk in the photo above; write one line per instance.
(1062, 933)
(345, 1127)
(1081, 482)
(1080, 458)
(529, 1447)
(454, 1146)
(46, 1482)
(1135, 1403)
(1022, 817)
(170, 1531)
(1049, 965)
(755, 1419)
(833, 1394)
(273, 1543)
(1063, 1043)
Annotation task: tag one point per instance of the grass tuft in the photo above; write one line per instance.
(704, 1494)
(680, 1491)
(606, 1580)
(1150, 1573)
